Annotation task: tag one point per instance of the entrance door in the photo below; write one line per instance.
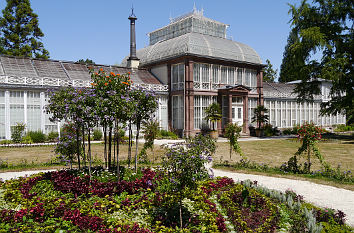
(237, 115)
(237, 110)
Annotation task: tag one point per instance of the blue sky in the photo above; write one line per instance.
(99, 30)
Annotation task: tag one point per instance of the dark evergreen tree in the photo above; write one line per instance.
(269, 74)
(87, 61)
(19, 31)
(290, 66)
(324, 29)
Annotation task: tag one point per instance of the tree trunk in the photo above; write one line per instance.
(136, 146)
(308, 158)
(110, 148)
(83, 146)
(105, 146)
(180, 212)
(114, 145)
(230, 151)
(118, 171)
(89, 153)
(130, 144)
(78, 146)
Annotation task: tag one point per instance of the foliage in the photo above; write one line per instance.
(321, 47)
(17, 132)
(309, 135)
(86, 61)
(260, 115)
(289, 66)
(269, 74)
(97, 135)
(20, 34)
(27, 140)
(4, 142)
(66, 145)
(344, 128)
(53, 136)
(185, 166)
(185, 163)
(213, 113)
(37, 136)
(166, 134)
(67, 201)
(150, 131)
(232, 133)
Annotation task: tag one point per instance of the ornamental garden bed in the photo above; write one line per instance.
(73, 201)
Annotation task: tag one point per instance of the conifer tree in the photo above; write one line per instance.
(20, 32)
(269, 74)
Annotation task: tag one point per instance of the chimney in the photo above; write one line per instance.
(133, 61)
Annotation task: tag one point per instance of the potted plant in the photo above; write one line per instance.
(213, 114)
(260, 118)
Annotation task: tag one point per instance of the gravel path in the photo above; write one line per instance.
(320, 195)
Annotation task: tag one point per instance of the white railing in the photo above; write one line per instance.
(56, 82)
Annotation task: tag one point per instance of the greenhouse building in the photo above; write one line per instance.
(190, 63)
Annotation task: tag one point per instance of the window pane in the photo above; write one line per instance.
(239, 75)
(224, 75)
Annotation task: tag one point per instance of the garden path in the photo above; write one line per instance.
(321, 195)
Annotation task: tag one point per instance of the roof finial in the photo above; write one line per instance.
(132, 14)
(170, 18)
(194, 8)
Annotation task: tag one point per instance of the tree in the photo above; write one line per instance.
(269, 74)
(232, 133)
(324, 29)
(259, 115)
(19, 31)
(86, 62)
(290, 66)
(213, 114)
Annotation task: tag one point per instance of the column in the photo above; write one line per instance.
(245, 115)
(7, 115)
(230, 108)
(43, 114)
(25, 109)
(169, 101)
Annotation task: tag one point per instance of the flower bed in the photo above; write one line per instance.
(70, 201)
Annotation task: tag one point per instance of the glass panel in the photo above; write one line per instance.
(196, 72)
(231, 75)
(2, 121)
(239, 75)
(181, 73)
(216, 73)
(224, 75)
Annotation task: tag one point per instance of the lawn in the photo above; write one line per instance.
(273, 152)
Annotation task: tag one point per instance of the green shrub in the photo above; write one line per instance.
(268, 130)
(4, 142)
(167, 134)
(37, 136)
(97, 135)
(17, 132)
(287, 131)
(296, 129)
(344, 128)
(53, 136)
(27, 140)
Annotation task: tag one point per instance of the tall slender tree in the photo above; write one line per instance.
(20, 32)
(322, 47)
(269, 74)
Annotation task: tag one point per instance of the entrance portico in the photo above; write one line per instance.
(234, 104)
